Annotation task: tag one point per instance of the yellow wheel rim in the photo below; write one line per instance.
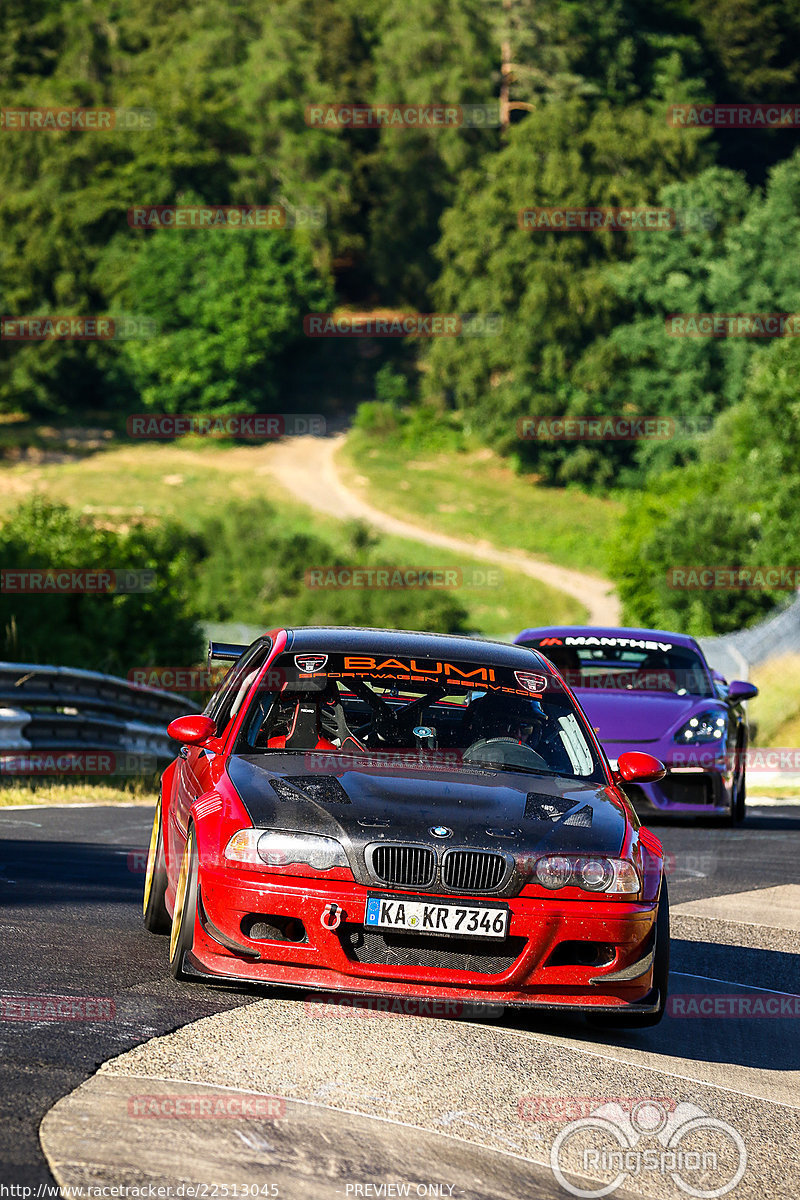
(180, 900)
(151, 859)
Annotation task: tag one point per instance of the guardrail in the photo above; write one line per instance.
(735, 653)
(65, 710)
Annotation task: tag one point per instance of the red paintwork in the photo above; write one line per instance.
(191, 730)
(231, 892)
(634, 766)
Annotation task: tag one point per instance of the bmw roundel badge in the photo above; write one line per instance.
(441, 831)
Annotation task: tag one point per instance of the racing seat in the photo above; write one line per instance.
(303, 715)
(304, 731)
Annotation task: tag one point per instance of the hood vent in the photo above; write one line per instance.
(325, 789)
(583, 817)
(539, 807)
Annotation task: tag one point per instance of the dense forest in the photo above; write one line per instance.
(427, 219)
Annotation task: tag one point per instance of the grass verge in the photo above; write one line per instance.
(776, 793)
(45, 791)
(473, 494)
(776, 709)
(122, 484)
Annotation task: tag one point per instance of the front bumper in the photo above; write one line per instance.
(695, 790)
(594, 954)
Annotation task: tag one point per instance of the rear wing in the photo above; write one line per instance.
(225, 651)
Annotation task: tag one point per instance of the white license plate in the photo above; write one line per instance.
(424, 916)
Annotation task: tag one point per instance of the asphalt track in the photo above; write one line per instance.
(70, 885)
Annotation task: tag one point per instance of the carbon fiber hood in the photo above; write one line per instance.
(503, 811)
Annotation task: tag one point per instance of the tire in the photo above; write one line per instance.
(739, 805)
(154, 908)
(184, 914)
(736, 809)
(636, 1020)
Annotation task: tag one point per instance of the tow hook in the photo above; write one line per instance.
(331, 916)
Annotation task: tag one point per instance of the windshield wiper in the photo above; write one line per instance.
(504, 766)
(501, 766)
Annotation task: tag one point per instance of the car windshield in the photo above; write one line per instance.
(626, 664)
(421, 712)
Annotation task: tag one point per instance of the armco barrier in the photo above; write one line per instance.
(45, 708)
(777, 634)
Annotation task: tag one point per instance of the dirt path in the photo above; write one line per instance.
(306, 467)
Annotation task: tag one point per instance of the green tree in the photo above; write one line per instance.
(252, 571)
(229, 306)
(550, 289)
(737, 507)
(753, 53)
(109, 632)
(64, 195)
(642, 366)
(437, 53)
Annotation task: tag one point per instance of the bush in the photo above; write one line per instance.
(229, 307)
(256, 571)
(421, 429)
(377, 417)
(110, 632)
(736, 508)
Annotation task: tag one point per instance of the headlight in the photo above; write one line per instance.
(268, 848)
(591, 874)
(704, 728)
(553, 872)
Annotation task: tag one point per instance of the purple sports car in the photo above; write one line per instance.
(646, 689)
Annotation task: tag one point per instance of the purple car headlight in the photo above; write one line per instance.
(703, 728)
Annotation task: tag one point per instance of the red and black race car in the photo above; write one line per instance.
(411, 814)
